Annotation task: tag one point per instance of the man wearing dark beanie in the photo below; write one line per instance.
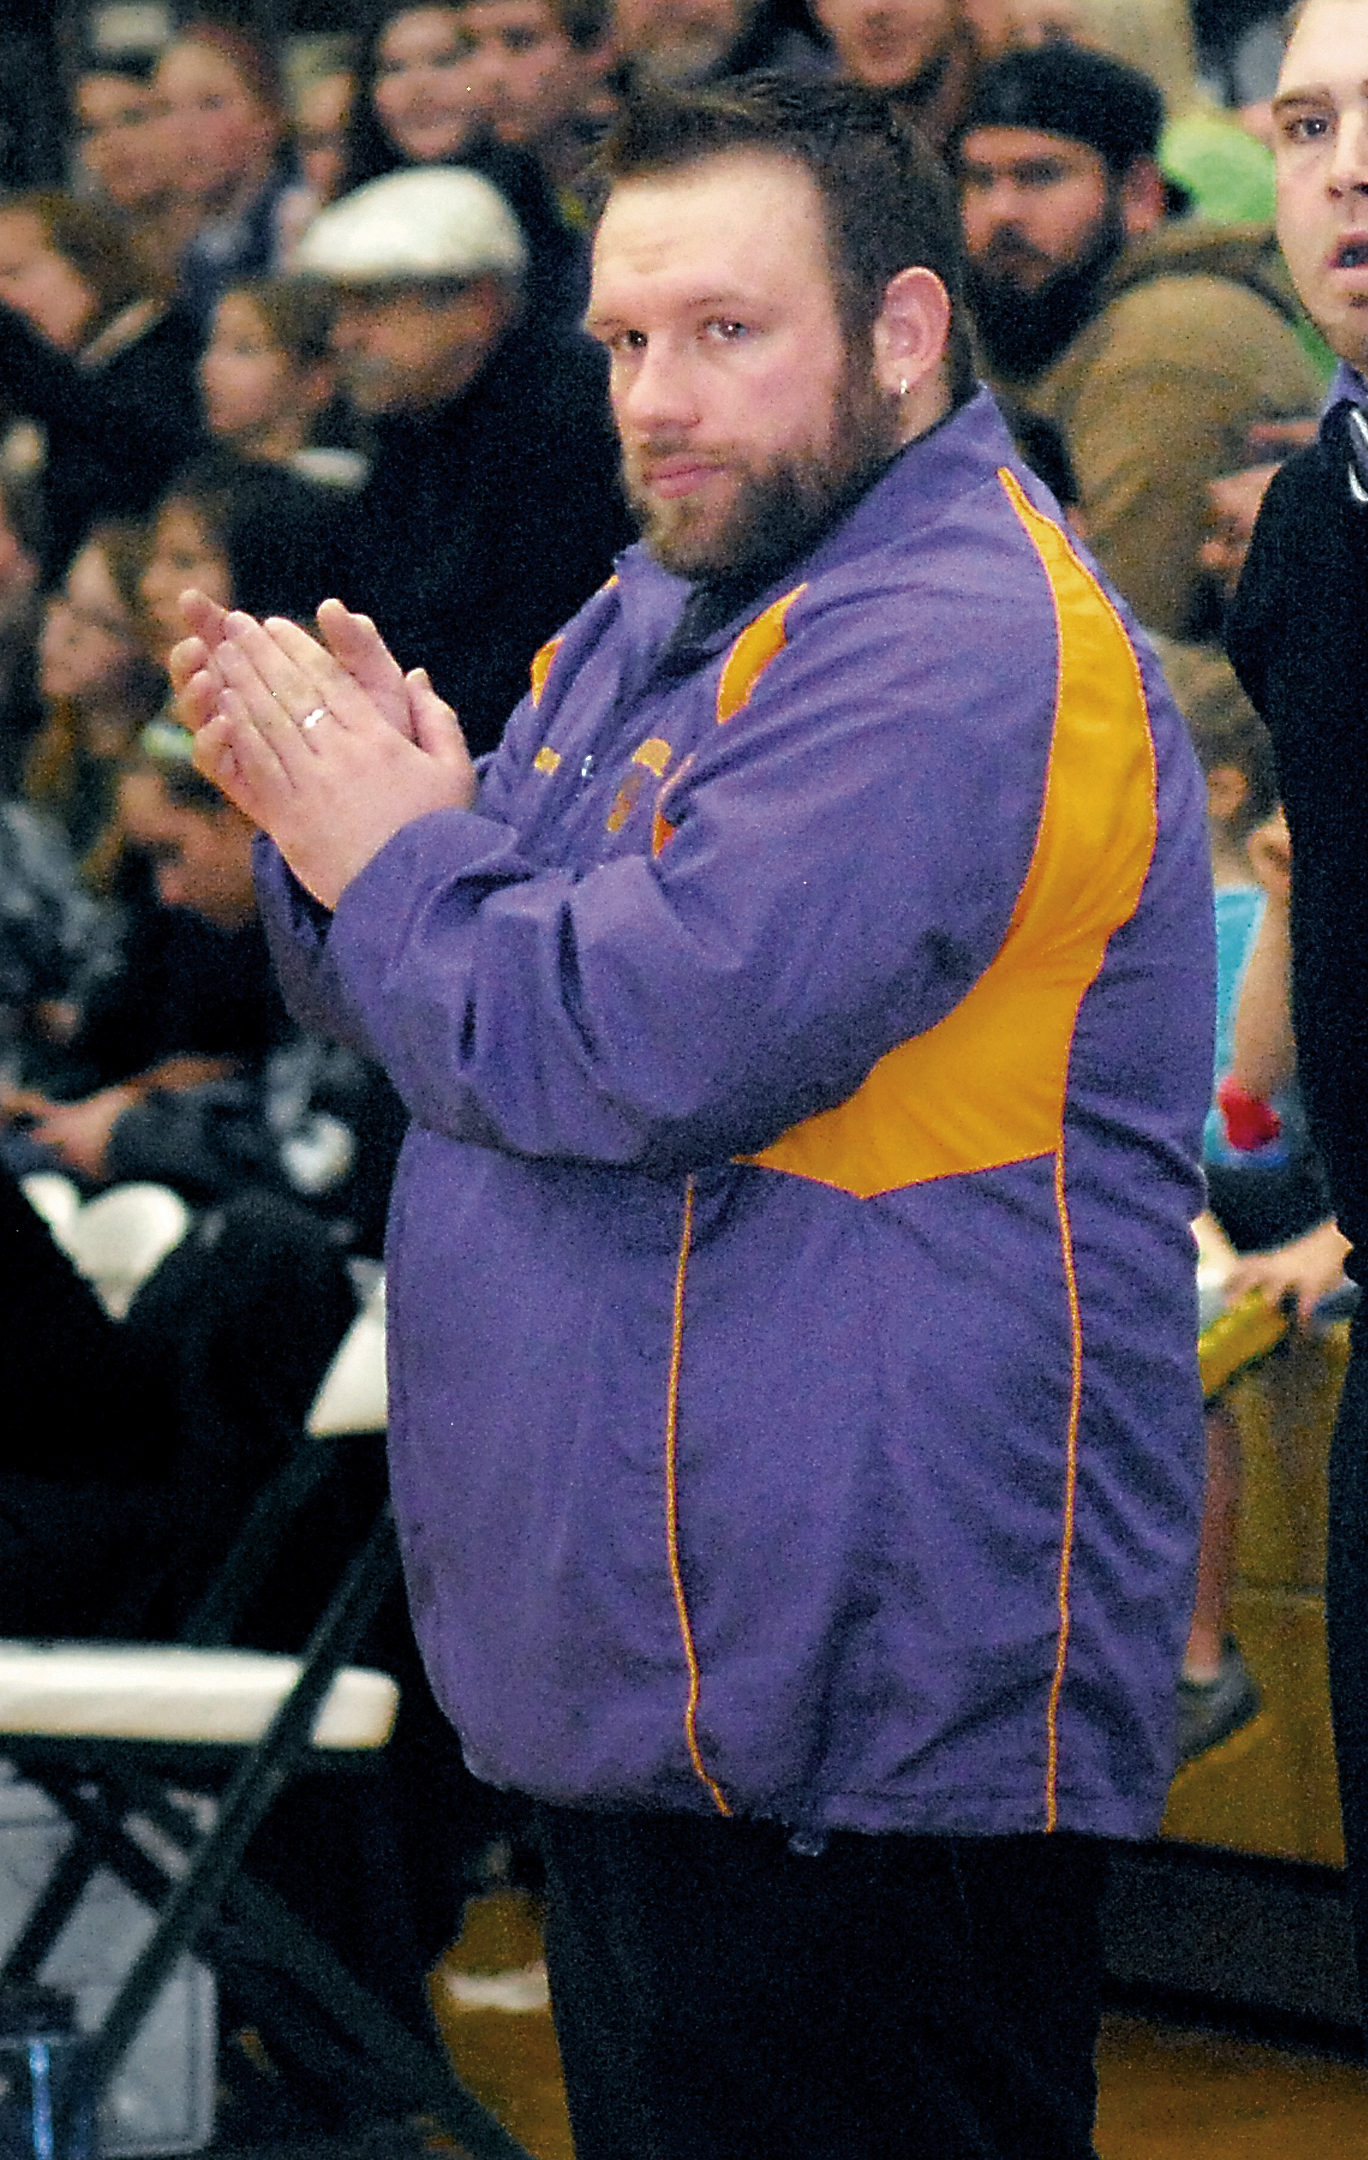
(1154, 347)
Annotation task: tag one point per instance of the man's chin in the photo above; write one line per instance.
(684, 555)
(682, 541)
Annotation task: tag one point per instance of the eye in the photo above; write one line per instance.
(725, 330)
(1304, 127)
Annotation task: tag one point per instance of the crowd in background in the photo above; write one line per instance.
(283, 318)
(188, 395)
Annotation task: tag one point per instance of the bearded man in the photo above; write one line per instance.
(806, 1024)
(1154, 350)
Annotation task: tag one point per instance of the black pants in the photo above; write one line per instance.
(1346, 1615)
(717, 1994)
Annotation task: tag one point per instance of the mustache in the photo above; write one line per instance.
(1008, 249)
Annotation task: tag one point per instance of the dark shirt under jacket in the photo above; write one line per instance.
(1298, 638)
(486, 523)
(119, 421)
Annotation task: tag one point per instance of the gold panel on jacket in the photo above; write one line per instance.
(986, 1085)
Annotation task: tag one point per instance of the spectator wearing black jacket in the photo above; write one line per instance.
(493, 508)
(96, 354)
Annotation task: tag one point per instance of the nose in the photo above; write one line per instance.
(347, 328)
(653, 388)
(1001, 201)
(484, 73)
(1349, 165)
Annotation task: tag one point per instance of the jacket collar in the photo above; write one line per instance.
(1345, 384)
(912, 492)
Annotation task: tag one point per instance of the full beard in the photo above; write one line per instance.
(779, 507)
(1023, 332)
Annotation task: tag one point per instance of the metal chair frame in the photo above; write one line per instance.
(192, 1877)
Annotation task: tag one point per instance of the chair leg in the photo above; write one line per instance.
(187, 1905)
(61, 1895)
(401, 2069)
(420, 2072)
(218, 1855)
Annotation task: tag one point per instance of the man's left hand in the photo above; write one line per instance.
(330, 779)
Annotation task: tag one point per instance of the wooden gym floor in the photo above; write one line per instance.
(1167, 2093)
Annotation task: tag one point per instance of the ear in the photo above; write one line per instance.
(910, 336)
(1142, 198)
(493, 305)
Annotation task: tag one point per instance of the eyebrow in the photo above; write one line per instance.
(1312, 94)
(596, 321)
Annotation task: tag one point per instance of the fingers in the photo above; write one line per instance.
(355, 642)
(197, 700)
(306, 682)
(277, 663)
(437, 732)
(358, 648)
(188, 658)
(254, 770)
(435, 725)
(204, 616)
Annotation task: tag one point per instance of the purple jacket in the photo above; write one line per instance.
(794, 1405)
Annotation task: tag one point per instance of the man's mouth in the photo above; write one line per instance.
(672, 476)
(1007, 253)
(1351, 254)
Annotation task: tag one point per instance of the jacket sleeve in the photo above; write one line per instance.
(845, 859)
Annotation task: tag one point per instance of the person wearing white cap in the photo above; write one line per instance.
(493, 507)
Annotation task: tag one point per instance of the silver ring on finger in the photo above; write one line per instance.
(311, 719)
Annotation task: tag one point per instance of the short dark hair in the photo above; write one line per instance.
(886, 197)
(277, 530)
(584, 23)
(166, 749)
(297, 315)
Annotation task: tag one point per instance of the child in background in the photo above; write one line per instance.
(1259, 1198)
(267, 377)
(1310, 1269)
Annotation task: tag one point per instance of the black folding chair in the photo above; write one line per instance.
(125, 1739)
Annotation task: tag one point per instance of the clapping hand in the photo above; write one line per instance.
(330, 748)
